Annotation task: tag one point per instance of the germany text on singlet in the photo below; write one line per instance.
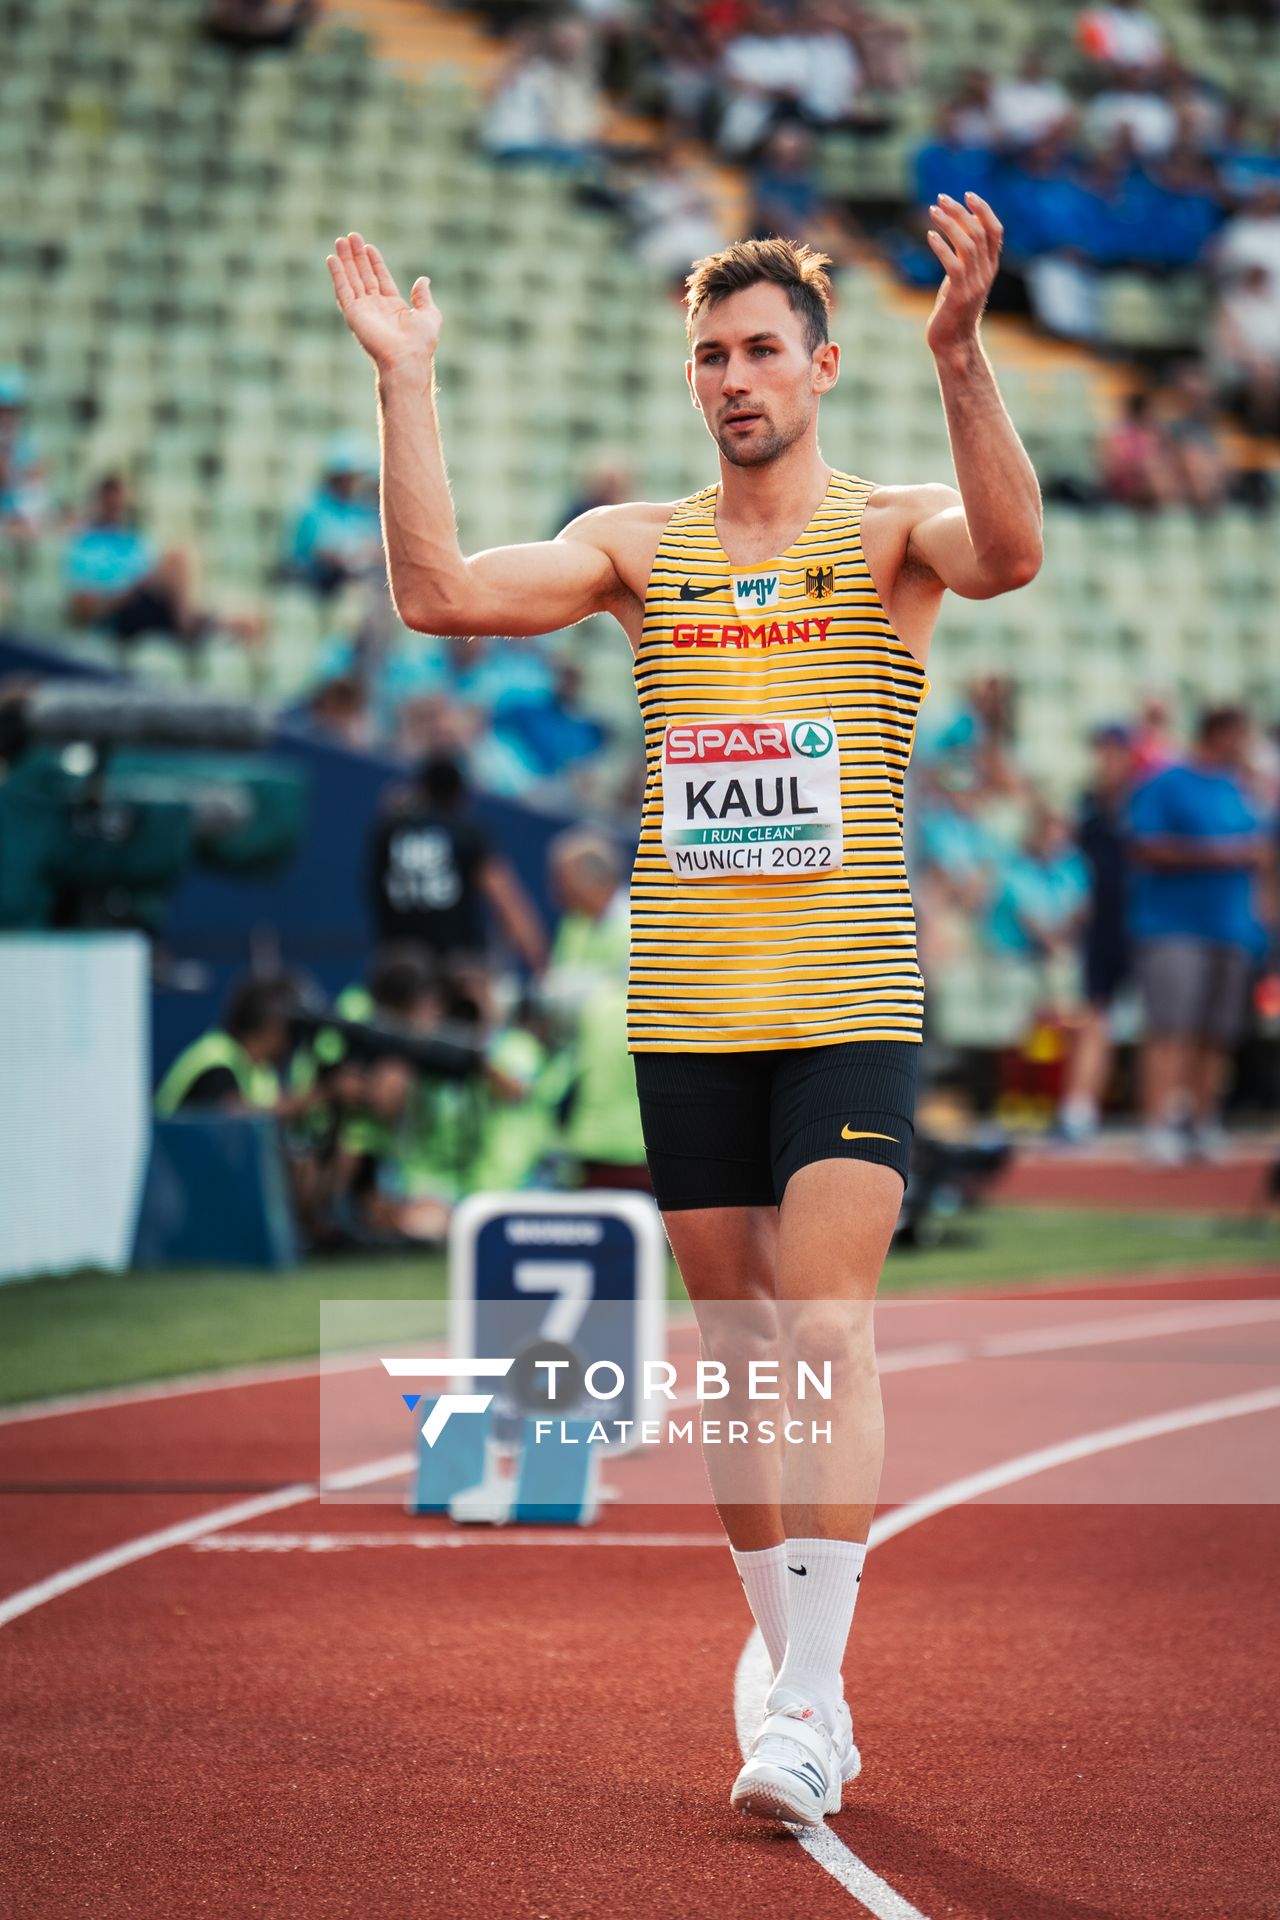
(769, 903)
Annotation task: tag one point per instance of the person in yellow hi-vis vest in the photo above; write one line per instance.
(779, 621)
(238, 1064)
(584, 995)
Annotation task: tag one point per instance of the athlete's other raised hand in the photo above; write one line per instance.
(392, 330)
(967, 241)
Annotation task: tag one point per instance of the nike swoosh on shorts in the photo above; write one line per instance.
(845, 1134)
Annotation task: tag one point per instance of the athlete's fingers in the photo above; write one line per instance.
(338, 274)
(363, 265)
(987, 215)
(383, 277)
(342, 247)
(951, 261)
(953, 221)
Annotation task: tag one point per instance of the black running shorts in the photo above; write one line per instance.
(730, 1129)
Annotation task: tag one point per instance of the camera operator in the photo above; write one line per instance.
(237, 1068)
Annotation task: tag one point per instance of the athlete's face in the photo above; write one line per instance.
(753, 377)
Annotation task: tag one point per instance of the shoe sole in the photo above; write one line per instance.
(762, 1798)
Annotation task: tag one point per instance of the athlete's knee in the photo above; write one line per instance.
(833, 1341)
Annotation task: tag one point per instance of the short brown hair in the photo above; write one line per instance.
(797, 267)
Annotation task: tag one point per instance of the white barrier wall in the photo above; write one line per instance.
(75, 1108)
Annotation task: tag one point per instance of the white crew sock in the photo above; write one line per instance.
(820, 1603)
(763, 1573)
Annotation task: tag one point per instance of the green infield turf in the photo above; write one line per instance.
(84, 1330)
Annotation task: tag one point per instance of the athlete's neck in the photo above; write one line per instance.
(763, 510)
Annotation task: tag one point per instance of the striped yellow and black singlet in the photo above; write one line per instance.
(793, 960)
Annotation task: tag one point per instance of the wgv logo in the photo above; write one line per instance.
(755, 590)
(446, 1403)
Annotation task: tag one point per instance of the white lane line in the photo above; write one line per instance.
(29, 1598)
(103, 1399)
(753, 1676)
(1044, 1459)
(181, 1534)
(751, 1682)
(486, 1537)
(1156, 1324)
(215, 1381)
(937, 1353)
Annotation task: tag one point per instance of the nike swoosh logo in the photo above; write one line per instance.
(800, 1570)
(689, 592)
(847, 1134)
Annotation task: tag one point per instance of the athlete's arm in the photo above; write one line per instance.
(987, 538)
(435, 586)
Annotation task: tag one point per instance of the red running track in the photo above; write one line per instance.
(1065, 1710)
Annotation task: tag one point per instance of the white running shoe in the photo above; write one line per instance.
(1163, 1147)
(793, 1771)
(846, 1746)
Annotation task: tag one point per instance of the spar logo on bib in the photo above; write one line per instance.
(812, 739)
(730, 741)
(754, 591)
(758, 794)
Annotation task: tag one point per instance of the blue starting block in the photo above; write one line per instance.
(485, 1477)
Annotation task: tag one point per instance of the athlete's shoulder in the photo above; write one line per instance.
(604, 526)
(915, 502)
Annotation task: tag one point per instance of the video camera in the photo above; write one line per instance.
(114, 794)
(451, 1053)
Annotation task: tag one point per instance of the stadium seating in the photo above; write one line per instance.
(175, 203)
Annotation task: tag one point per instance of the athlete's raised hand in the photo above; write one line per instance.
(391, 329)
(967, 241)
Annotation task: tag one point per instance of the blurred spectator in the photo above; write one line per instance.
(24, 501)
(970, 108)
(673, 217)
(608, 482)
(833, 70)
(786, 197)
(549, 731)
(884, 46)
(1199, 849)
(1245, 347)
(433, 870)
(592, 939)
(250, 24)
(1101, 835)
(1248, 162)
(1197, 460)
(1121, 35)
(1136, 470)
(1251, 238)
(953, 161)
(1028, 106)
(545, 105)
(337, 535)
(1154, 741)
(339, 710)
(1039, 906)
(958, 858)
(119, 582)
(1139, 109)
(764, 72)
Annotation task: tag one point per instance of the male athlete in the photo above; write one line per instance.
(779, 623)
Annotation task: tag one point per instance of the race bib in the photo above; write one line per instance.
(759, 798)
